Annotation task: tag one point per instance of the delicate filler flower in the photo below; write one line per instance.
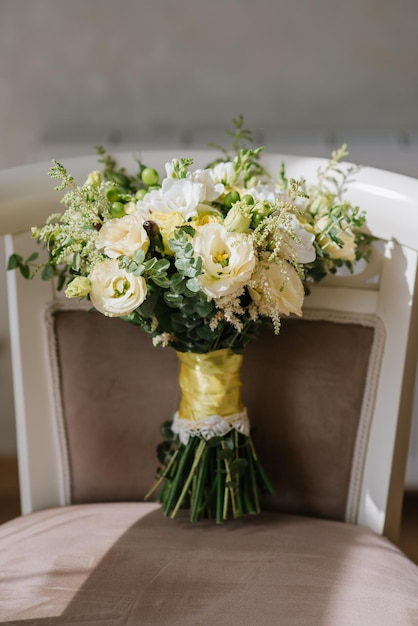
(115, 292)
(228, 259)
(122, 236)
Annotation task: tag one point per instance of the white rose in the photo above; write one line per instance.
(280, 288)
(347, 250)
(115, 292)
(122, 236)
(228, 259)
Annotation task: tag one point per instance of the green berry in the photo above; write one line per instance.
(140, 194)
(117, 209)
(112, 194)
(248, 199)
(150, 176)
(231, 198)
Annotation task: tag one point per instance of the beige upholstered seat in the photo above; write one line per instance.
(329, 399)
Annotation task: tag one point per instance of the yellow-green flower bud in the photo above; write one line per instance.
(259, 211)
(238, 218)
(94, 179)
(231, 198)
(79, 287)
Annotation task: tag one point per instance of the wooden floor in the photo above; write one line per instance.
(10, 507)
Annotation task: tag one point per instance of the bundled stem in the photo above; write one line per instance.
(219, 478)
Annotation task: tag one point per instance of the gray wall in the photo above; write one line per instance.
(306, 75)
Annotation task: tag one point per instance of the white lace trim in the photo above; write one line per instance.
(211, 426)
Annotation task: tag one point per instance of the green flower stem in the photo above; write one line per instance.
(162, 496)
(225, 504)
(230, 489)
(253, 480)
(198, 455)
(163, 476)
(239, 511)
(187, 451)
(198, 502)
(219, 511)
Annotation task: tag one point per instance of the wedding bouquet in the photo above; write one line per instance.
(201, 259)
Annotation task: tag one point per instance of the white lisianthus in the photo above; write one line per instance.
(347, 250)
(180, 195)
(115, 292)
(122, 236)
(152, 201)
(264, 192)
(228, 259)
(211, 190)
(278, 288)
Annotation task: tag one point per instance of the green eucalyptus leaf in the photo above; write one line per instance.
(47, 273)
(188, 229)
(214, 441)
(14, 261)
(139, 256)
(162, 281)
(225, 454)
(25, 271)
(193, 285)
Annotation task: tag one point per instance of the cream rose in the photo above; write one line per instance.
(346, 251)
(228, 259)
(122, 236)
(278, 288)
(115, 292)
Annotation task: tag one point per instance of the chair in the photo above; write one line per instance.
(330, 398)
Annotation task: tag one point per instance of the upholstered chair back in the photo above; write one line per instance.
(306, 392)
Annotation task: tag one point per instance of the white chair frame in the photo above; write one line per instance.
(391, 203)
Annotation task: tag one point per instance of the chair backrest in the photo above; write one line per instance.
(330, 397)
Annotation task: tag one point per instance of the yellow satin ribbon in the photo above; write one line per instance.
(210, 384)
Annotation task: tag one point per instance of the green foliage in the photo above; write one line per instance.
(16, 261)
